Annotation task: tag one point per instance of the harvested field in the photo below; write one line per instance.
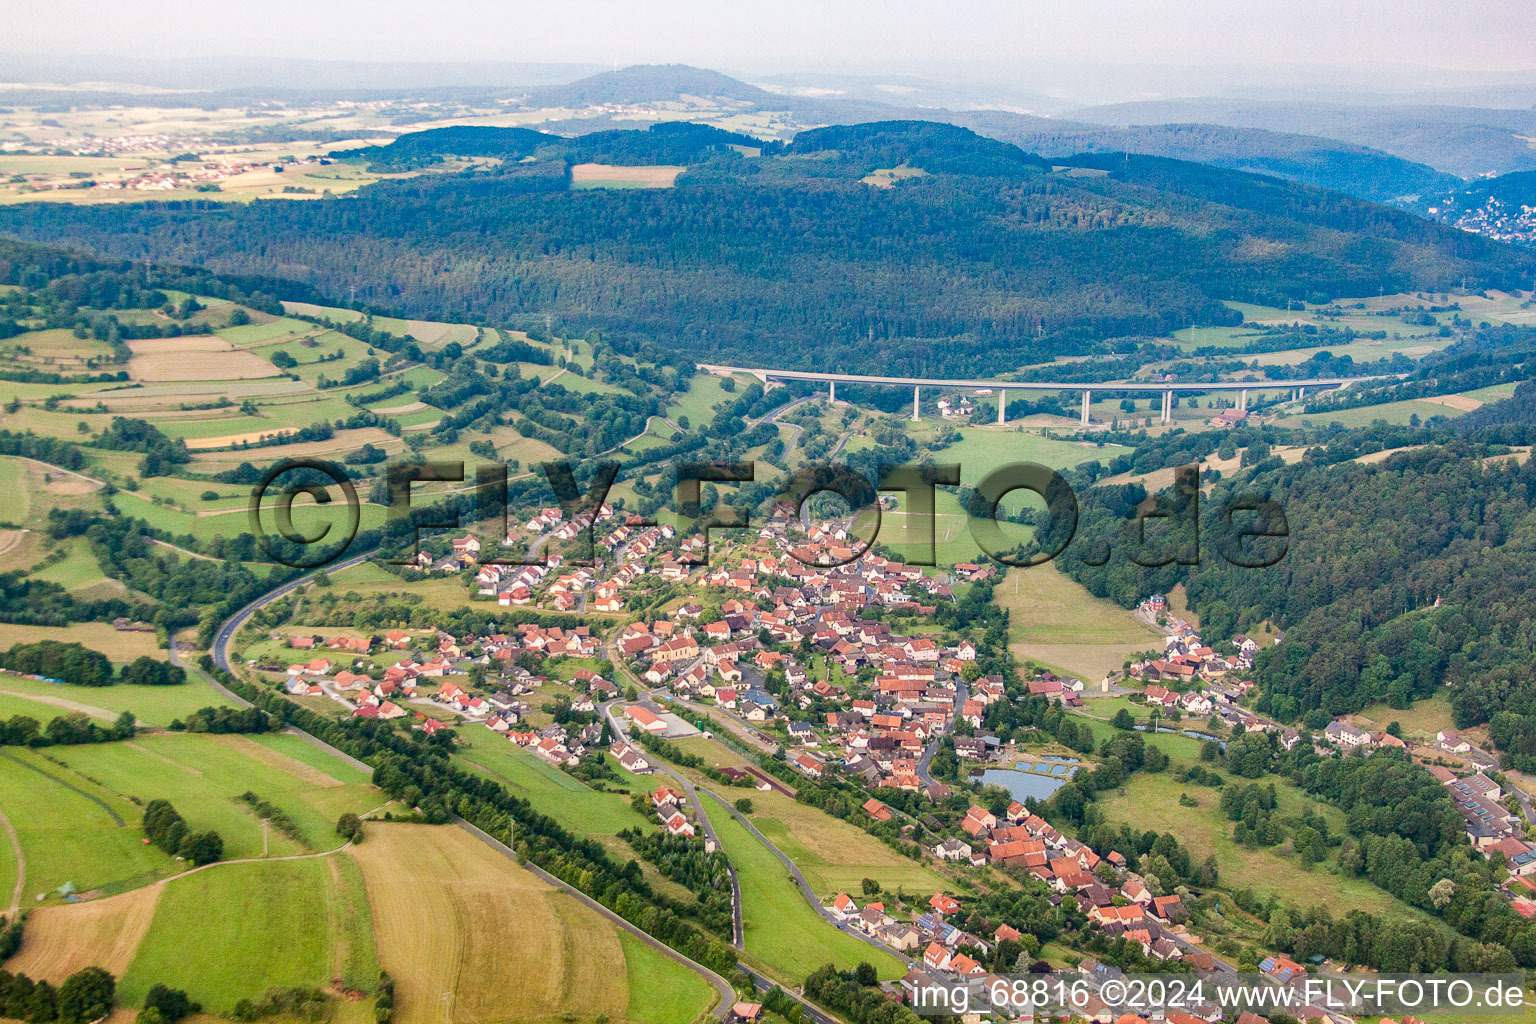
(652, 176)
(341, 441)
(228, 440)
(448, 914)
(194, 359)
(119, 645)
(1463, 402)
(61, 940)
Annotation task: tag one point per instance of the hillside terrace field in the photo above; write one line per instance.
(77, 809)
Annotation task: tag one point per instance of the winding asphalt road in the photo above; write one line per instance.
(962, 692)
(738, 937)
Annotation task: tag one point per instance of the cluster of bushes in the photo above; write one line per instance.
(854, 995)
(164, 1005)
(54, 659)
(350, 827)
(305, 1004)
(168, 830)
(224, 720)
(75, 727)
(384, 1005)
(686, 862)
(275, 815)
(147, 671)
(10, 940)
(84, 996)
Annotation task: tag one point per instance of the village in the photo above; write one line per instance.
(805, 663)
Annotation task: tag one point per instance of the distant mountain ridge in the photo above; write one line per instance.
(1349, 167)
(1466, 141)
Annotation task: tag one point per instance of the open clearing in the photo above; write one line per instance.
(1055, 621)
(615, 176)
(452, 915)
(1152, 802)
(196, 358)
(61, 940)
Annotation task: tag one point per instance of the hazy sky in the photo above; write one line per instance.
(990, 36)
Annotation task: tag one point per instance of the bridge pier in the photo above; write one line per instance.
(1167, 406)
(1242, 399)
(1301, 393)
(832, 391)
(1002, 406)
(1087, 397)
(916, 392)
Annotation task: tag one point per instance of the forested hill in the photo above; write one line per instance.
(1328, 163)
(982, 260)
(1402, 575)
(665, 143)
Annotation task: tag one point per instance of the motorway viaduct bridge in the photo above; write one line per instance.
(1002, 387)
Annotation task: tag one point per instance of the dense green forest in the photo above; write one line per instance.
(789, 259)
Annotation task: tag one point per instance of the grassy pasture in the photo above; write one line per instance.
(67, 836)
(699, 401)
(15, 498)
(233, 931)
(1056, 622)
(833, 855)
(1397, 413)
(151, 705)
(584, 811)
(785, 937)
(1426, 717)
(336, 313)
(661, 991)
(203, 775)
